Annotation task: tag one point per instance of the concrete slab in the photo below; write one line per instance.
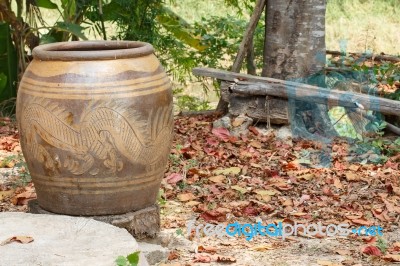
(153, 253)
(141, 224)
(63, 240)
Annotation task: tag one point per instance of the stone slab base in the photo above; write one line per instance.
(141, 224)
(63, 240)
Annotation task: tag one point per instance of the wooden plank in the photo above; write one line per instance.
(248, 35)
(287, 89)
(368, 56)
(254, 107)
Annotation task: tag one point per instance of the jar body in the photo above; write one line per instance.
(95, 134)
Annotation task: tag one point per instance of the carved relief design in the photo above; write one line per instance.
(104, 132)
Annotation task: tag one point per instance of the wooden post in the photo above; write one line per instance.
(244, 46)
(248, 35)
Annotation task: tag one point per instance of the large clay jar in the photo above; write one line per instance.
(96, 124)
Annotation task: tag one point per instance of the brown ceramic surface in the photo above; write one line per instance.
(96, 125)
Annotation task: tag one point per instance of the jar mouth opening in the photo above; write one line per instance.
(91, 50)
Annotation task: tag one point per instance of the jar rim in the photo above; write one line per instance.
(91, 50)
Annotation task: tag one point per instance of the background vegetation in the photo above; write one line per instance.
(190, 33)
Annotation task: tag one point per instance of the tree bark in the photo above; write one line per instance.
(295, 46)
(251, 66)
(294, 50)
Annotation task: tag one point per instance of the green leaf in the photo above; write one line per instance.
(3, 82)
(69, 7)
(45, 4)
(121, 261)
(71, 28)
(8, 63)
(179, 232)
(179, 28)
(133, 258)
(47, 38)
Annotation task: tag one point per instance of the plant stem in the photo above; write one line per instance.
(103, 28)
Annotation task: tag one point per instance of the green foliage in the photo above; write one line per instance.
(69, 26)
(161, 199)
(8, 64)
(382, 245)
(191, 103)
(46, 4)
(179, 232)
(135, 19)
(19, 166)
(179, 28)
(376, 126)
(357, 70)
(3, 82)
(378, 149)
(130, 260)
(72, 28)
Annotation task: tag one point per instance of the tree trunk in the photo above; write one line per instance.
(295, 50)
(251, 66)
(295, 40)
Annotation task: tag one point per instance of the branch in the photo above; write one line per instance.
(248, 35)
(254, 85)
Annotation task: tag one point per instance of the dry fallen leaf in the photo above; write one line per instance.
(186, 196)
(343, 252)
(392, 257)
(174, 178)
(354, 167)
(204, 258)
(299, 213)
(221, 133)
(256, 144)
(352, 217)
(269, 192)
(20, 239)
(213, 215)
(371, 250)
(350, 176)
(361, 222)
(256, 165)
(396, 246)
(337, 183)
(288, 202)
(396, 190)
(240, 189)
(327, 263)
(307, 177)
(5, 194)
(263, 247)
(238, 121)
(217, 179)
(173, 255)
(192, 203)
(24, 197)
(206, 249)
(227, 171)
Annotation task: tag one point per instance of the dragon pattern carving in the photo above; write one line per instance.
(103, 132)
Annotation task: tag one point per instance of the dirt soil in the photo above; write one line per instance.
(213, 177)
